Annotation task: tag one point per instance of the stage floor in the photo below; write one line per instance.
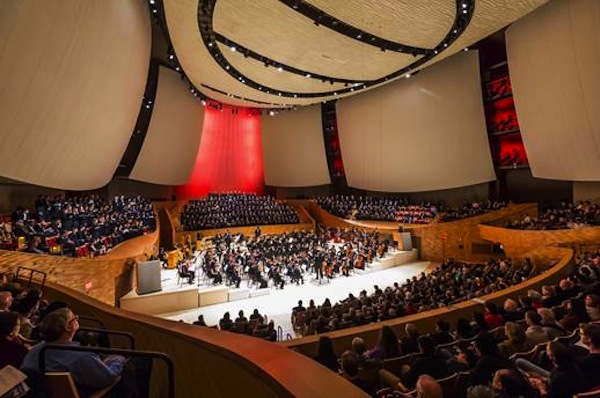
(279, 303)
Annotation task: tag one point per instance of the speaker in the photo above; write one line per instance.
(406, 241)
(148, 277)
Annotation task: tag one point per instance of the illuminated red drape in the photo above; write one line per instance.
(230, 155)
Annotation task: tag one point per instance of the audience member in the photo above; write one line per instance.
(12, 349)
(89, 371)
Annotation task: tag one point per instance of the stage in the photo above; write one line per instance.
(181, 301)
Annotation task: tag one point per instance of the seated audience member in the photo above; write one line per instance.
(226, 323)
(350, 367)
(590, 364)
(241, 317)
(387, 346)
(464, 329)
(490, 360)
(410, 342)
(592, 306)
(549, 296)
(11, 348)
(428, 363)
(89, 371)
(325, 354)
(6, 300)
(535, 332)
(428, 387)
(481, 391)
(511, 311)
(517, 340)
(553, 329)
(564, 380)
(493, 319)
(200, 321)
(256, 315)
(510, 383)
(442, 333)
(576, 314)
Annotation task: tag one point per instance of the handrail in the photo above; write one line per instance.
(128, 336)
(91, 318)
(113, 351)
(31, 273)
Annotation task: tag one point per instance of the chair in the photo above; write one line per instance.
(569, 339)
(395, 365)
(447, 384)
(61, 384)
(463, 381)
(590, 394)
(531, 355)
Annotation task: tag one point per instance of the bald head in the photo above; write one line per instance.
(427, 387)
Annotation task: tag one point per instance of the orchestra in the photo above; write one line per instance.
(327, 252)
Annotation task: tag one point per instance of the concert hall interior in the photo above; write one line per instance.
(300, 198)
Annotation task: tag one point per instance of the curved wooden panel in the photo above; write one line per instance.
(212, 363)
(517, 242)
(111, 275)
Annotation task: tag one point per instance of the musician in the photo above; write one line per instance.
(318, 265)
(162, 256)
(232, 275)
(276, 276)
(188, 271)
(295, 274)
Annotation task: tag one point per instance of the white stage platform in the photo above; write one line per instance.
(178, 295)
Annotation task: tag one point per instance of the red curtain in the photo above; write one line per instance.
(230, 154)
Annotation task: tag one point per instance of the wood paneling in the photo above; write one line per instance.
(517, 243)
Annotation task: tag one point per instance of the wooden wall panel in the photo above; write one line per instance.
(105, 273)
(517, 243)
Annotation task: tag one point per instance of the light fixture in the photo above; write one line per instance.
(407, 76)
(232, 48)
(280, 69)
(308, 75)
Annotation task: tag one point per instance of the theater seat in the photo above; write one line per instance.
(61, 384)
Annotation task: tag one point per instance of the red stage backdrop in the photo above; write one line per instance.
(230, 154)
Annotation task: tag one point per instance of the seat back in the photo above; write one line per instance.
(447, 384)
(394, 365)
(61, 384)
(590, 394)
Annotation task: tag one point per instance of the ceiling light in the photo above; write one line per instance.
(464, 11)
(280, 69)
(227, 67)
(445, 44)
(232, 48)
(407, 76)
(210, 44)
(466, 49)
(308, 75)
(171, 56)
(359, 36)
(151, 1)
(203, 102)
(464, 5)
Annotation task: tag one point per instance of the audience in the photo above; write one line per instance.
(399, 210)
(234, 210)
(80, 226)
(565, 216)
